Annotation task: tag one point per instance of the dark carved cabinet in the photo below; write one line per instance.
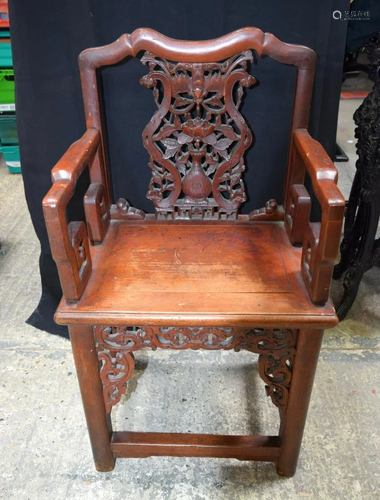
(196, 273)
(360, 249)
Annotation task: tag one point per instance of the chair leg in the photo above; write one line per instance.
(305, 364)
(98, 420)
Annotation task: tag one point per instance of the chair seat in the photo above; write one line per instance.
(200, 274)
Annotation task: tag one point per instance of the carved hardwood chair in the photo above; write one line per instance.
(196, 274)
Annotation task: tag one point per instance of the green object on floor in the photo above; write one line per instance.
(8, 130)
(5, 50)
(7, 86)
(12, 158)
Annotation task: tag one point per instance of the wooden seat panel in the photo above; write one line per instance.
(184, 258)
(206, 273)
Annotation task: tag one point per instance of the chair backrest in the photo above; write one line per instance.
(197, 137)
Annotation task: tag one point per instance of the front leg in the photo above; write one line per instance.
(305, 364)
(98, 419)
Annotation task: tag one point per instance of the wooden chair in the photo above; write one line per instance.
(196, 274)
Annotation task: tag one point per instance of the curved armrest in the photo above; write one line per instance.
(69, 242)
(322, 171)
(321, 241)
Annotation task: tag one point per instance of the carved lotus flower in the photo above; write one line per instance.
(198, 128)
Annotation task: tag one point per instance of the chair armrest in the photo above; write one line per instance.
(321, 240)
(69, 242)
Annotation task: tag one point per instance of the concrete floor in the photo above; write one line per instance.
(45, 451)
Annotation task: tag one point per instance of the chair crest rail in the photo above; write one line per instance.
(142, 39)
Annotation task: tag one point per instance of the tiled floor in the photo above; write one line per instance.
(45, 451)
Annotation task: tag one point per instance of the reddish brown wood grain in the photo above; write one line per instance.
(297, 213)
(98, 421)
(65, 250)
(265, 44)
(220, 280)
(97, 212)
(292, 425)
(321, 244)
(163, 273)
(148, 444)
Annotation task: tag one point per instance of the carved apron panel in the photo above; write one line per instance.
(276, 349)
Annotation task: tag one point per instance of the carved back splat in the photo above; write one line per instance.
(197, 137)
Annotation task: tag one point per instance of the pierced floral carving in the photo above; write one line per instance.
(197, 137)
(276, 348)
